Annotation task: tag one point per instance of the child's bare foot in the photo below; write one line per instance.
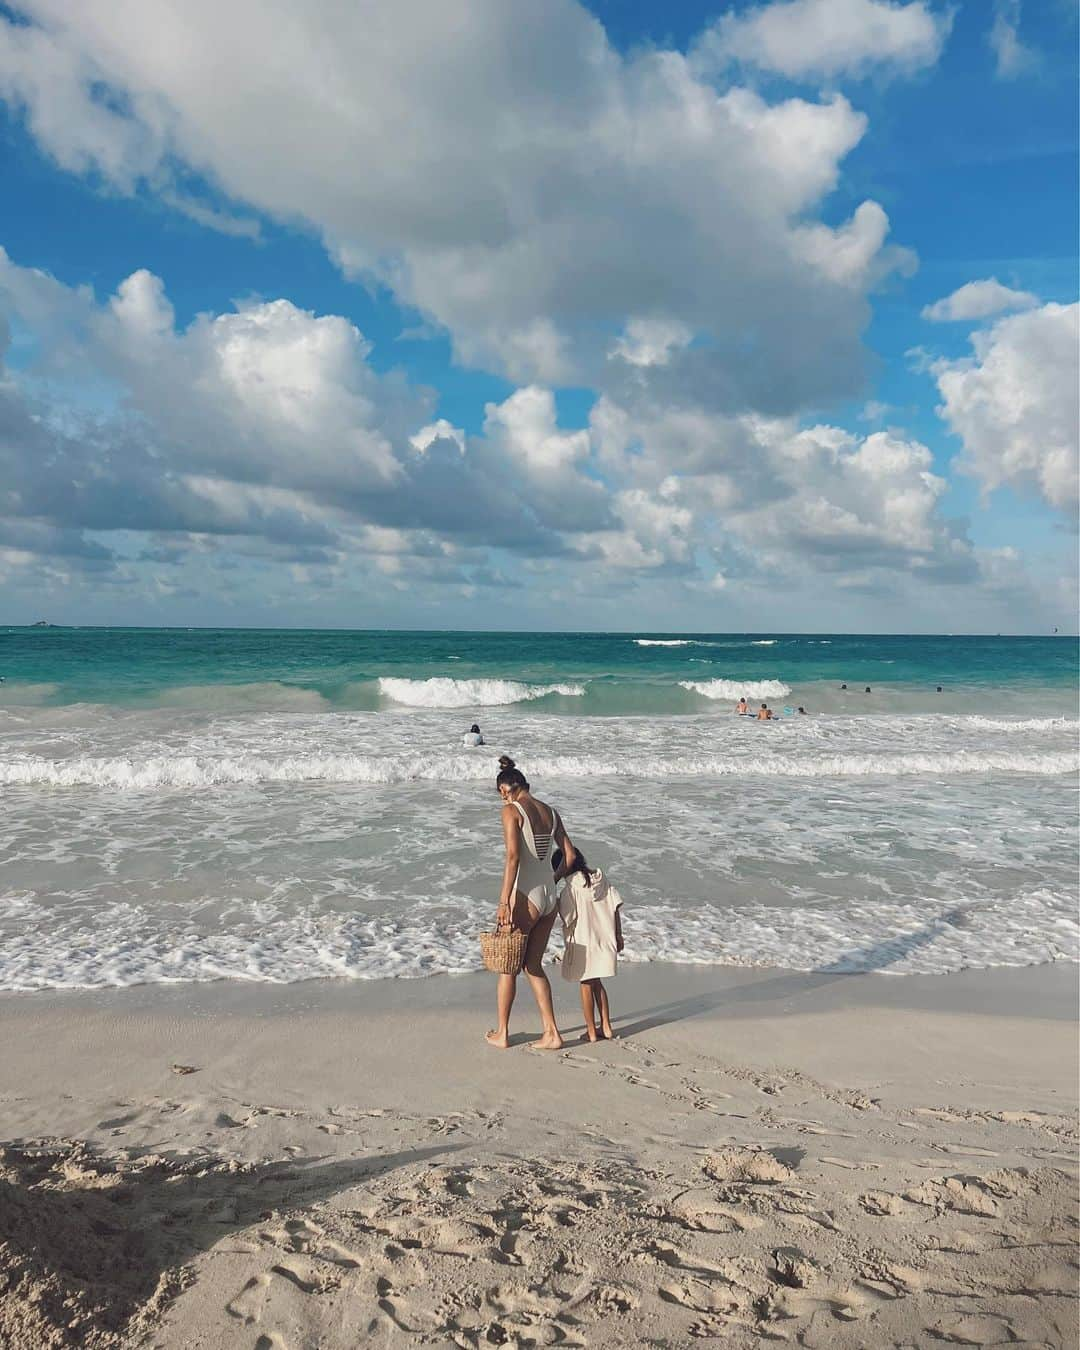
(551, 1040)
(499, 1039)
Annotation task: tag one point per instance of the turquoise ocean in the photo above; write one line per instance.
(200, 804)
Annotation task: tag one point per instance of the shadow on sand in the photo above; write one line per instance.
(91, 1247)
(742, 1000)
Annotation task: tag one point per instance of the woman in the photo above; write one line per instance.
(532, 831)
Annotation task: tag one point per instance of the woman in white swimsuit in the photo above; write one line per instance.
(532, 831)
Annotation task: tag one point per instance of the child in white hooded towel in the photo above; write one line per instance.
(589, 907)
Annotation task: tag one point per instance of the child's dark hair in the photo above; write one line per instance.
(509, 775)
(580, 865)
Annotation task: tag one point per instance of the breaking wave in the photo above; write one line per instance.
(442, 692)
(193, 771)
(735, 689)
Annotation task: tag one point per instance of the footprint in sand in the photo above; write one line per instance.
(702, 1211)
(117, 1123)
(667, 1254)
(226, 1122)
(248, 1304)
(966, 1150)
(883, 1203)
(706, 1298)
(973, 1329)
(964, 1197)
(745, 1167)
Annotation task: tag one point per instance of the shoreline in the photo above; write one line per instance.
(974, 989)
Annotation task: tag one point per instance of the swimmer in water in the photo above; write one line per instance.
(843, 686)
(764, 713)
(939, 688)
(742, 707)
(472, 736)
(866, 690)
(802, 711)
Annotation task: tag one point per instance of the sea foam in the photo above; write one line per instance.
(191, 771)
(442, 692)
(278, 947)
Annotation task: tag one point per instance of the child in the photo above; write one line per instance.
(592, 930)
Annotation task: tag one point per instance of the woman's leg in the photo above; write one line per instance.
(604, 1010)
(587, 1009)
(505, 991)
(534, 969)
(507, 986)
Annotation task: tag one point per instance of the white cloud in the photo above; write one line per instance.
(650, 342)
(547, 465)
(440, 429)
(808, 39)
(979, 300)
(1012, 57)
(1014, 405)
(262, 443)
(508, 173)
(854, 254)
(223, 222)
(817, 499)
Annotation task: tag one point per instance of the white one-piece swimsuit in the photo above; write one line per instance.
(535, 878)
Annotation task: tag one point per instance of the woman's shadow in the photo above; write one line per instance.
(878, 956)
(87, 1256)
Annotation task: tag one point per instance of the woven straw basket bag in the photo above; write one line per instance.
(504, 950)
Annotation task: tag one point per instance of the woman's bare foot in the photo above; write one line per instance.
(550, 1040)
(609, 1035)
(591, 1036)
(499, 1039)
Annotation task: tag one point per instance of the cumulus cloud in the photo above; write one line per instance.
(1014, 404)
(979, 300)
(811, 39)
(266, 425)
(439, 430)
(1012, 56)
(261, 441)
(512, 176)
(791, 498)
(650, 342)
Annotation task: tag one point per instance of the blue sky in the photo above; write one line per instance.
(641, 293)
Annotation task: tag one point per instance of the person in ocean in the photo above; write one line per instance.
(473, 736)
(802, 711)
(532, 831)
(591, 912)
(742, 707)
(764, 713)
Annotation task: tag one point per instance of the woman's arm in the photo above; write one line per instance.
(563, 841)
(511, 821)
(618, 930)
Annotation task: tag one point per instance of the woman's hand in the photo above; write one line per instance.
(504, 916)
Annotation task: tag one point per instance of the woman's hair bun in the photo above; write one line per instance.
(505, 762)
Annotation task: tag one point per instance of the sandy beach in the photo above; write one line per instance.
(822, 1160)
